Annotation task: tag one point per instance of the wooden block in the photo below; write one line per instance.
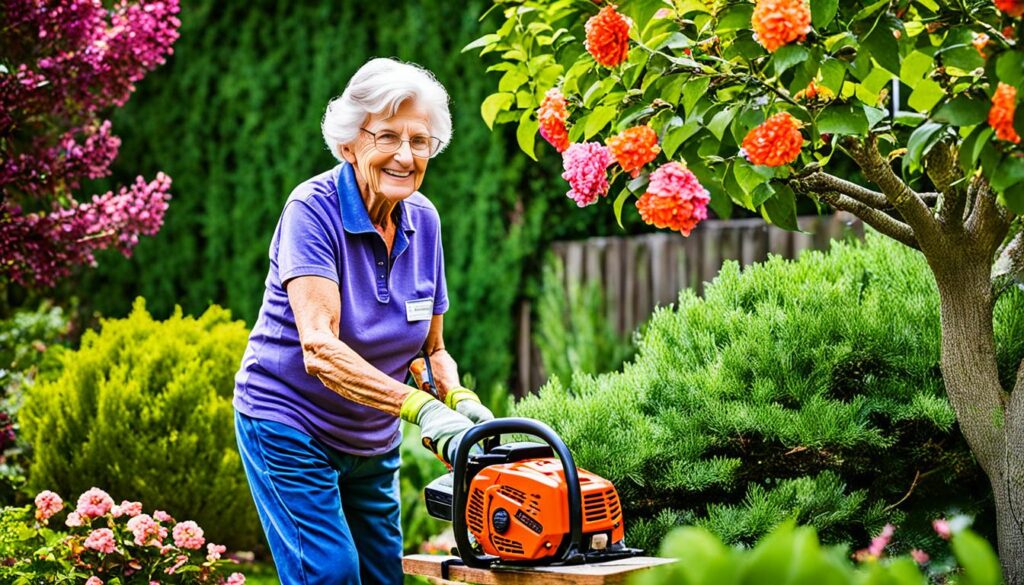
(609, 573)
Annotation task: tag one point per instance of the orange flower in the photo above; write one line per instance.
(780, 22)
(1014, 8)
(634, 147)
(608, 36)
(979, 42)
(674, 213)
(552, 116)
(775, 143)
(1000, 117)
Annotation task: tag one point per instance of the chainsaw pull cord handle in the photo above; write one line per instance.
(460, 490)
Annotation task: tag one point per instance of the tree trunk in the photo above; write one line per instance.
(993, 428)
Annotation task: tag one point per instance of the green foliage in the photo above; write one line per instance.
(793, 555)
(29, 350)
(574, 333)
(807, 389)
(234, 118)
(143, 411)
(698, 75)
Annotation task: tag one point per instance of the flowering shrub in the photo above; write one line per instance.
(64, 61)
(106, 543)
(765, 100)
(585, 168)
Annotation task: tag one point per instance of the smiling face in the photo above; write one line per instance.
(392, 176)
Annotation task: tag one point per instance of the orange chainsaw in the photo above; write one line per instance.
(525, 503)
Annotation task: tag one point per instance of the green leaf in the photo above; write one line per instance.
(494, 103)
(676, 136)
(921, 140)
(512, 80)
(926, 95)
(869, 10)
(1010, 68)
(1013, 198)
(598, 119)
(693, 90)
(788, 56)
(620, 200)
(970, 148)
(638, 58)
(914, 67)
(526, 133)
(702, 558)
(833, 72)
(482, 41)
(842, 119)
(1008, 173)
(781, 209)
(963, 111)
(981, 567)
(883, 48)
(735, 17)
(720, 121)
(822, 12)
(874, 115)
(749, 177)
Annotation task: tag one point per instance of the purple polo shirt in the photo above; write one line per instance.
(325, 231)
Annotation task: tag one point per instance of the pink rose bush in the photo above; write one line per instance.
(107, 543)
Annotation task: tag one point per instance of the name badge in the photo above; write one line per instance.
(419, 309)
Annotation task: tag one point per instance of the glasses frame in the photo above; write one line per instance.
(436, 144)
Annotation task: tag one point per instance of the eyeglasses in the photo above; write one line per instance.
(421, 145)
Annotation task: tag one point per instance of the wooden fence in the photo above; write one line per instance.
(639, 273)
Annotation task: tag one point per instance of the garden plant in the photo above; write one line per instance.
(693, 103)
(62, 65)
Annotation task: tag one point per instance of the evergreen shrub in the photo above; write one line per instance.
(807, 389)
(143, 410)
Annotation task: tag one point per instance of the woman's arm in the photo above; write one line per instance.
(315, 302)
(442, 365)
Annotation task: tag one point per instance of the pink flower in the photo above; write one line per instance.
(213, 551)
(94, 581)
(675, 199)
(101, 540)
(235, 579)
(162, 516)
(146, 530)
(127, 508)
(47, 504)
(94, 503)
(881, 541)
(942, 528)
(920, 557)
(74, 520)
(585, 166)
(188, 534)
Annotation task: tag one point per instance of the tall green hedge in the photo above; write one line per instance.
(234, 119)
(808, 389)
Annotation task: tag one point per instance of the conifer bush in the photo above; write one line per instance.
(807, 389)
(143, 409)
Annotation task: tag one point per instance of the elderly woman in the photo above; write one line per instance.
(355, 290)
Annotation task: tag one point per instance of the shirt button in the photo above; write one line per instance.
(380, 264)
(382, 277)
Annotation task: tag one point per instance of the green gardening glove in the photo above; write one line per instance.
(467, 403)
(441, 428)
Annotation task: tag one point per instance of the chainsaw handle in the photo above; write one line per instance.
(493, 429)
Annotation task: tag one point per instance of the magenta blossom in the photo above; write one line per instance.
(585, 167)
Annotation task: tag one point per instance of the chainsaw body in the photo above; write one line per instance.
(526, 503)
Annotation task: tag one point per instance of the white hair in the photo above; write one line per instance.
(379, 87)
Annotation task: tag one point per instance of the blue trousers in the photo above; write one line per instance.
(330, 518)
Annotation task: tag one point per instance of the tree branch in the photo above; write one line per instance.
(910, 205)
(989, 221)
(819, 182)
(942, 168)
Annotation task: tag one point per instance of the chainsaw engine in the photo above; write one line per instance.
(520, 507)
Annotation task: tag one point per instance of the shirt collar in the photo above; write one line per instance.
(354, 217)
